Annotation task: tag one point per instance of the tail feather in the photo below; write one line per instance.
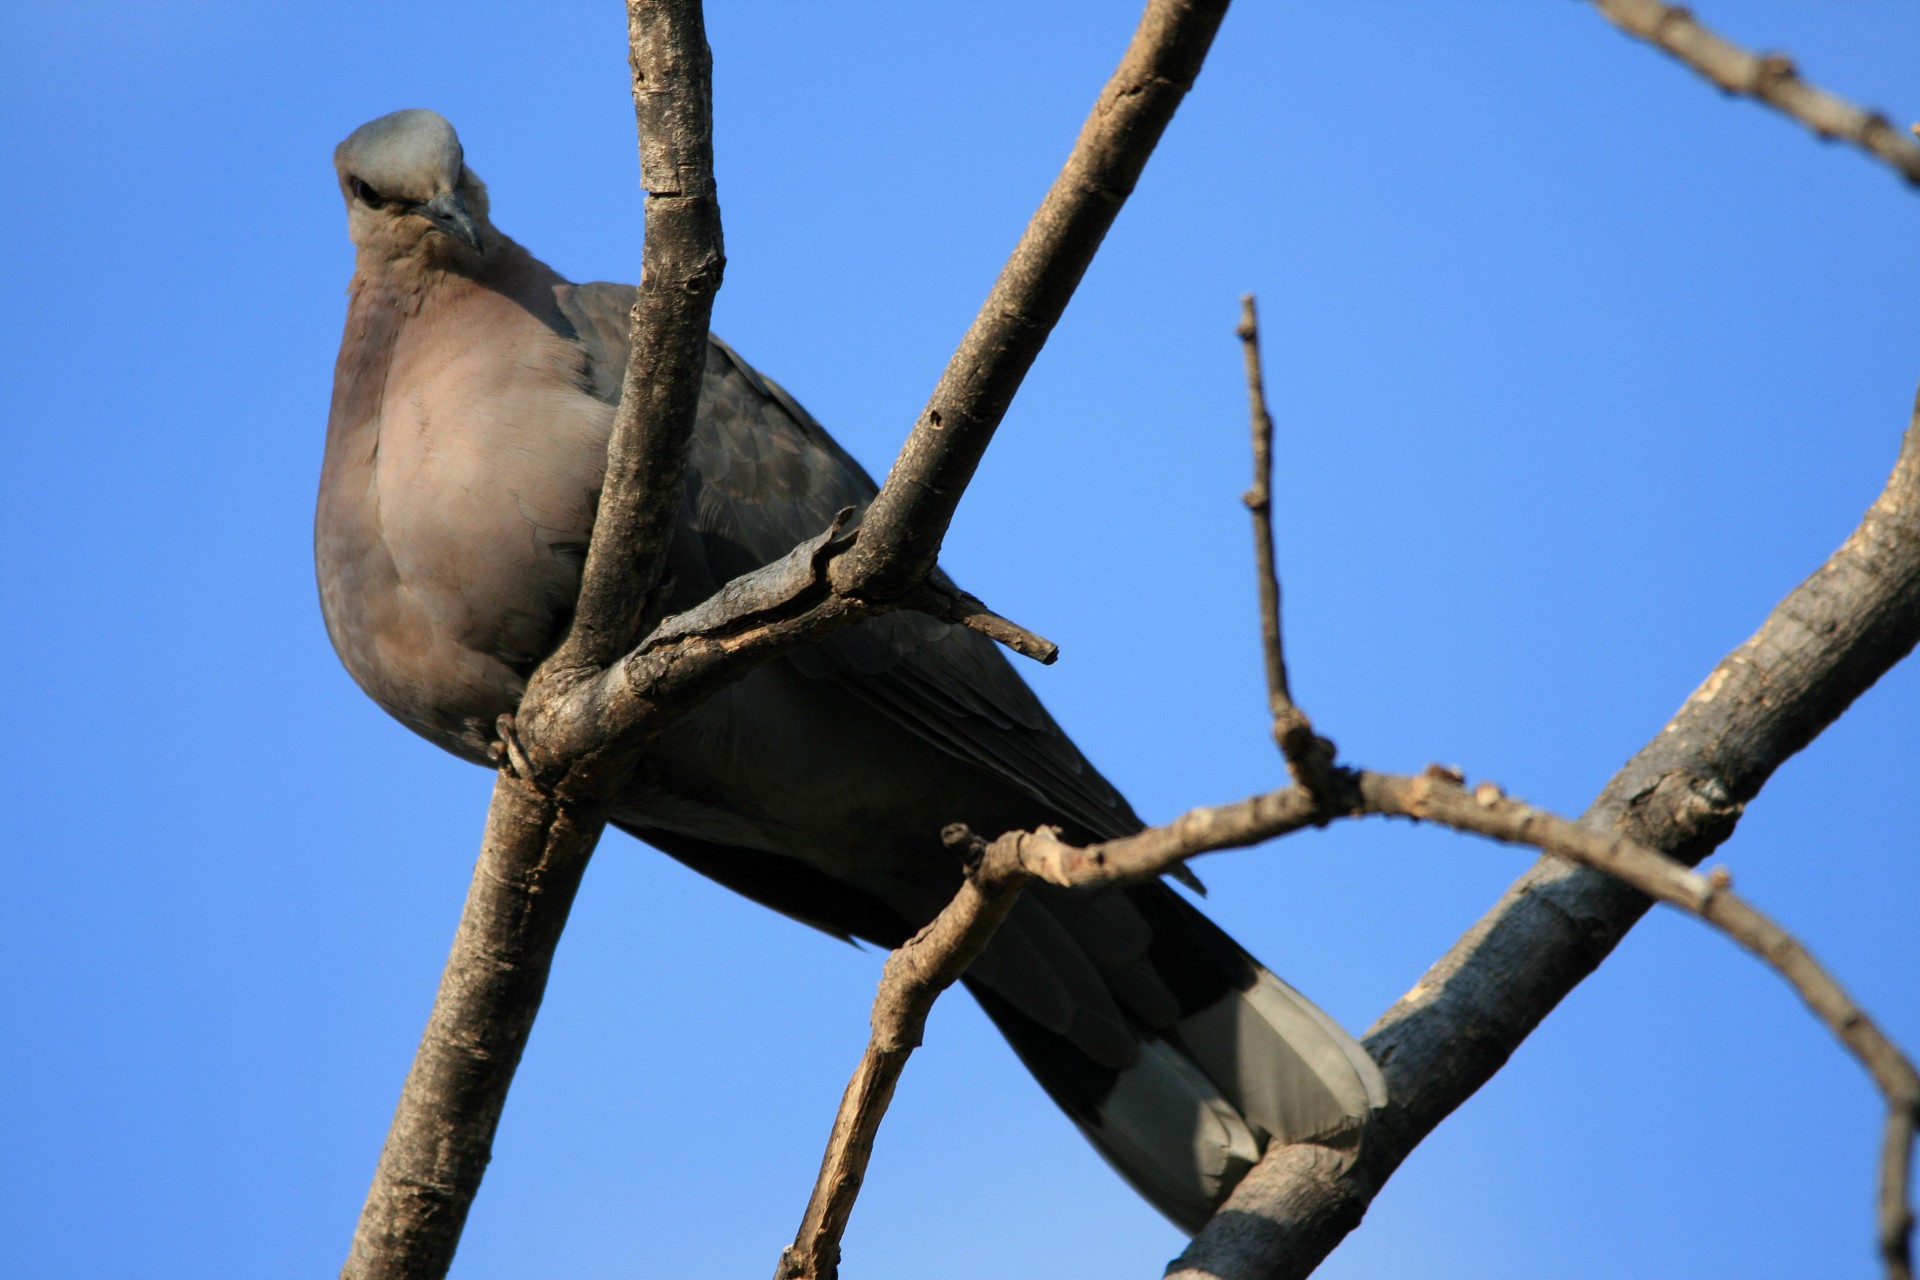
(1244, 1061)
(1291, 1070)
(1172, 1135)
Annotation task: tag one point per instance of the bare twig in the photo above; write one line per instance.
(1895, 1210)
(1309, 757)
(931, 961)
(903, 529)
(1820, 648)
(540, 835)
(1770, 78)
(967, 611)
(914, 976)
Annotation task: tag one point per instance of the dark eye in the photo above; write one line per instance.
(366, 195)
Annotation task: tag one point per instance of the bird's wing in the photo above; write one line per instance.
(763, 476)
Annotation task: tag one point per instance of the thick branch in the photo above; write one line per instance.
(540, 835)
(1820, 648)
(681, 263)
(1769, 78)
(437, 1148)
(908, 520)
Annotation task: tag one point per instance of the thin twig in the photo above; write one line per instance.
(933, 959)
(912, 512)
(1770, 78)
(1894, 1218)
(1309, 757)
(914, 976)
(967, 611)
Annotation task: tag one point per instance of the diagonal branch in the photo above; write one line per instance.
(1819, 649)
(1770, 78)
(1436, 797)
(915, 975)
(910, 517)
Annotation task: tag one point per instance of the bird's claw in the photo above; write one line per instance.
(508, 749)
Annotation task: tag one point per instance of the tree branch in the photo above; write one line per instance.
(682, 261)
(1436, 797)
(915, 975)
(1820, 648)
(904, 527)
(1770, 78)
(540, 836)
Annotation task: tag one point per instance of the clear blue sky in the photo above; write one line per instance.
(1579, 368)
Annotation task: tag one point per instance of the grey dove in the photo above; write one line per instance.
(472, 402)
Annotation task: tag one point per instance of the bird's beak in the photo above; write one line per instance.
(449, 213)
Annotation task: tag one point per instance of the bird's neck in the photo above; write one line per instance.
(387, 292)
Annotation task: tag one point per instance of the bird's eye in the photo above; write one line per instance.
(367, 196)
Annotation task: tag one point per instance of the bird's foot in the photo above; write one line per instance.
(507, 751)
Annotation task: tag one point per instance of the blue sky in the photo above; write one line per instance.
(1578, 367)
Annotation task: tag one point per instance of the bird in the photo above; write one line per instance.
(473, 398)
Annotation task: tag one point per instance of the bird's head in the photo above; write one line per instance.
(408, 189)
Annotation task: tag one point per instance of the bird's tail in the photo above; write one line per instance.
(1193, 1061)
